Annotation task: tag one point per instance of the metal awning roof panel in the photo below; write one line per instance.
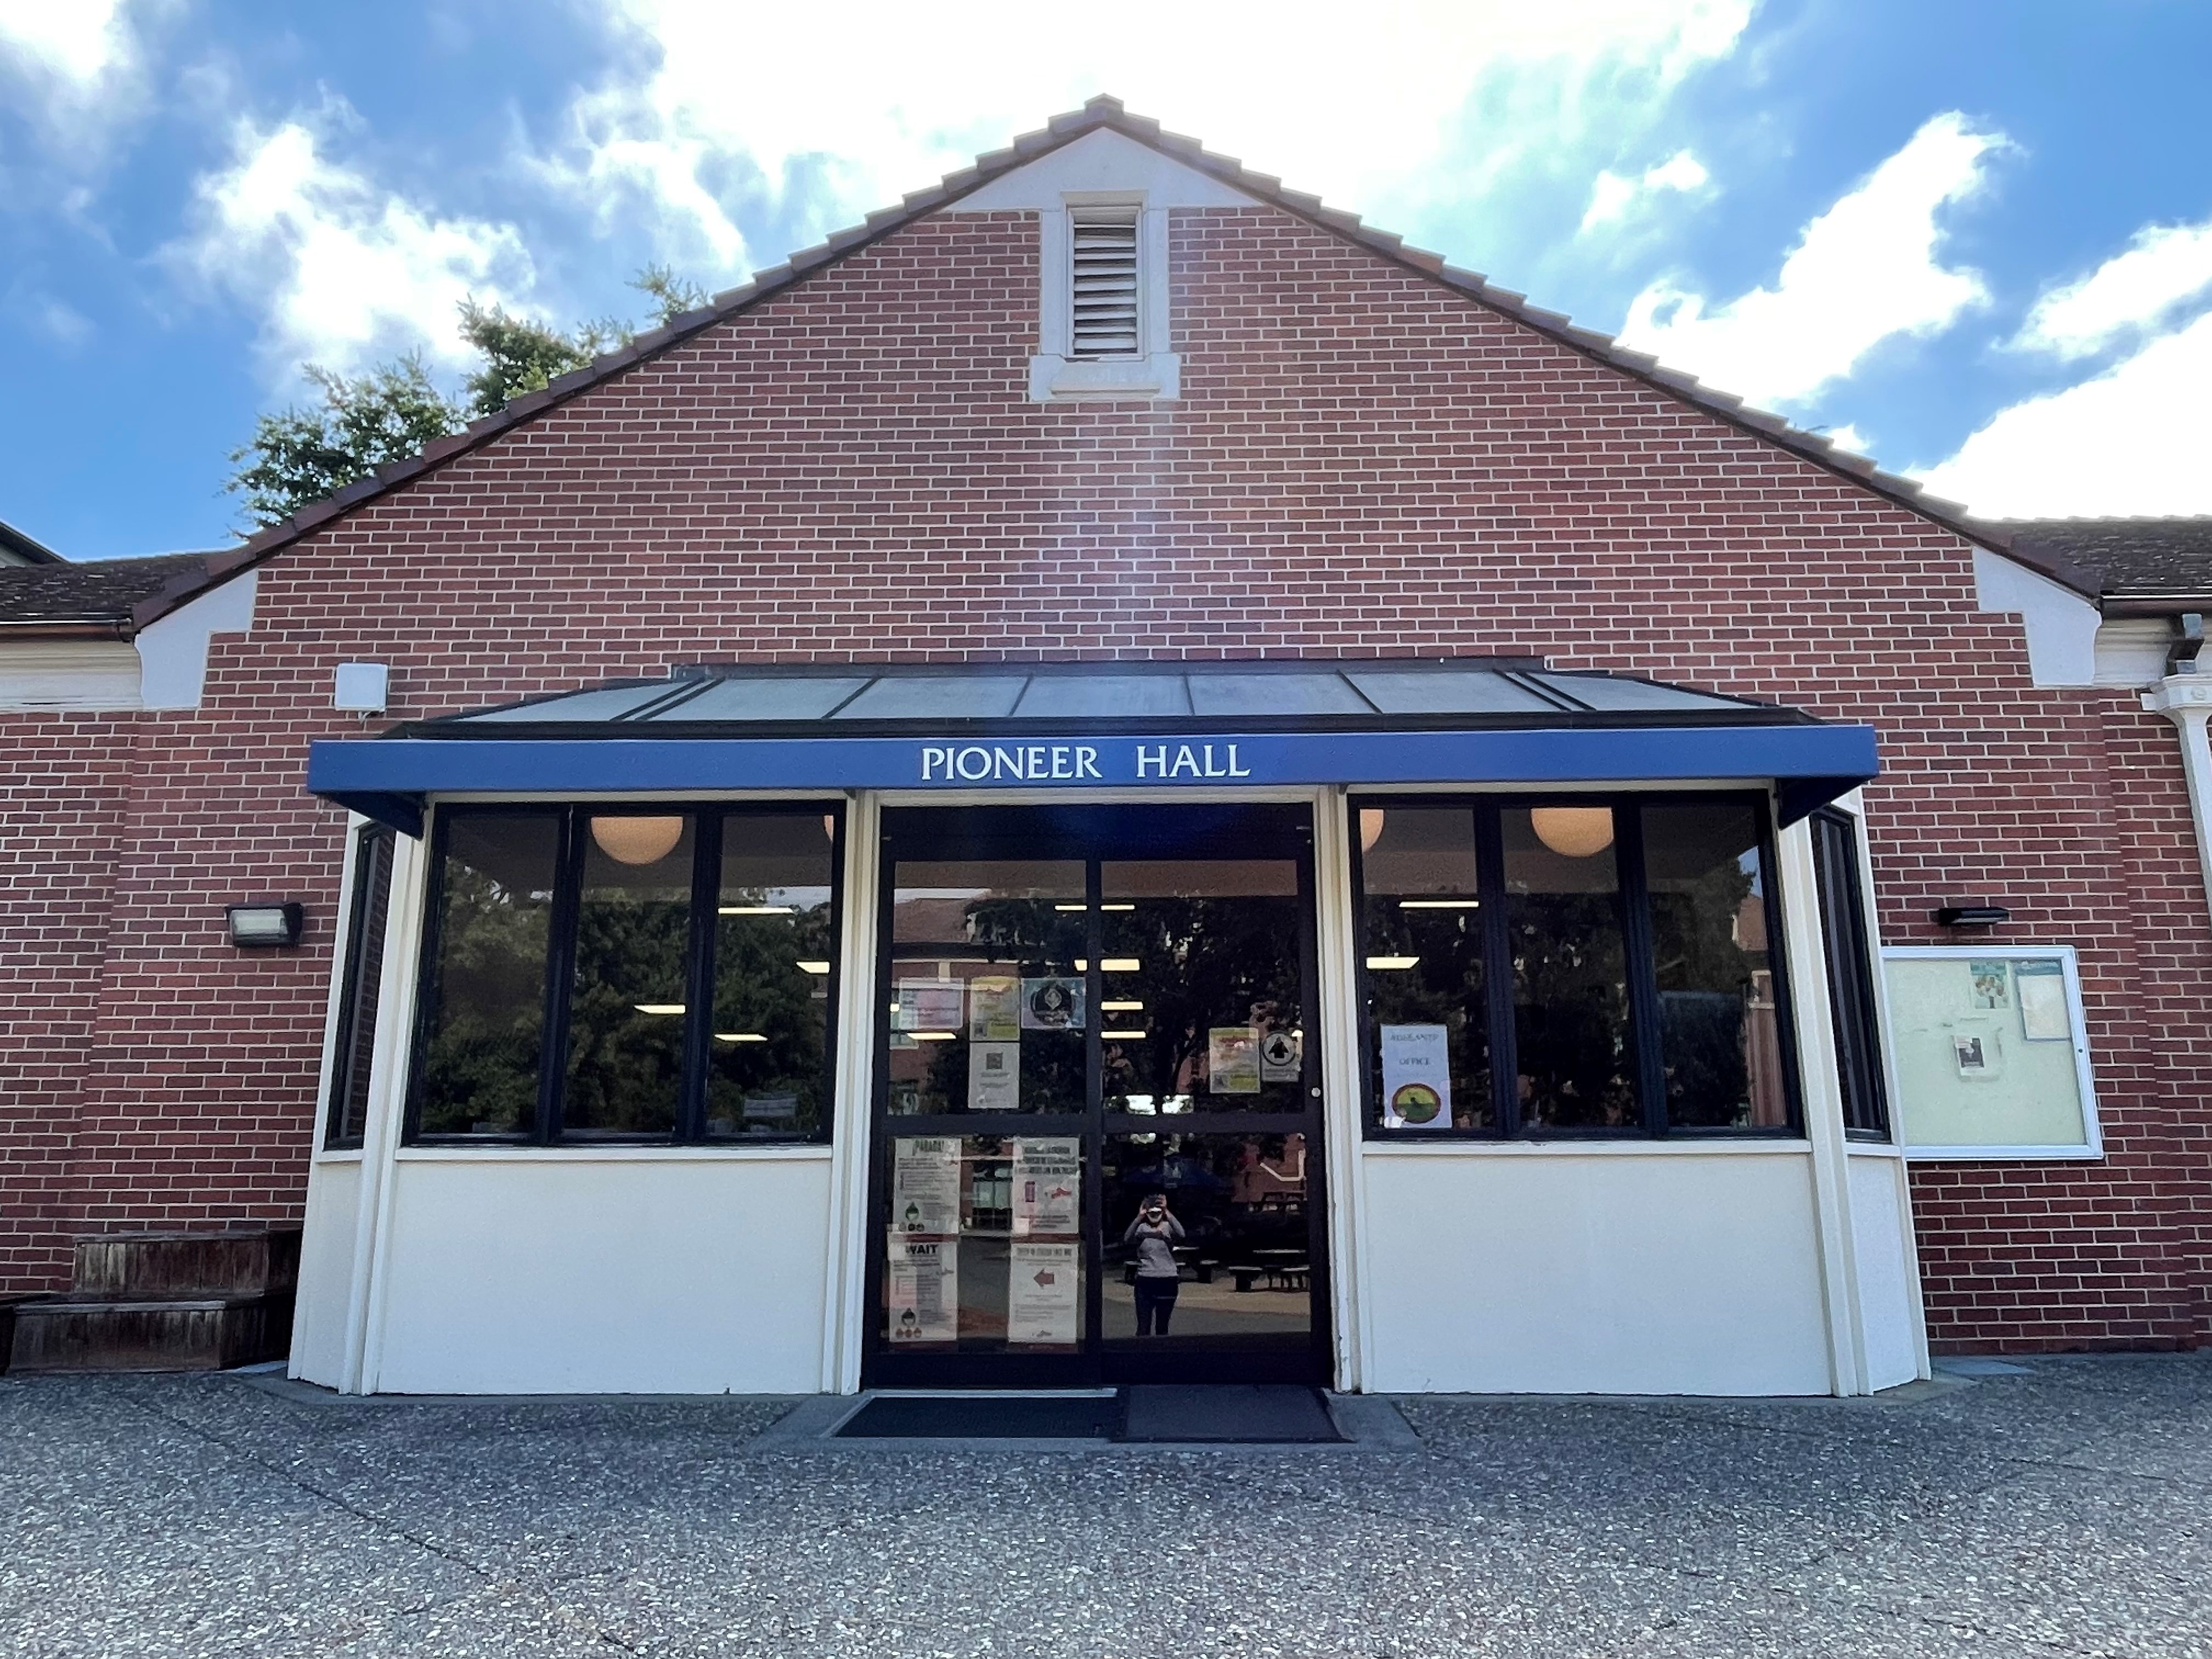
(1367, 721)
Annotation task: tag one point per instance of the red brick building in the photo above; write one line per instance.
(1108, 399)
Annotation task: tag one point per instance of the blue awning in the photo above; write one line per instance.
(1069, 727)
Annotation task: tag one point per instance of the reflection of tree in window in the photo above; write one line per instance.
(1022, 938)
(488, 998)
(1202, 962)
(1570, 982)
(773, 1084)
(626, 1015)
(1719, 1046)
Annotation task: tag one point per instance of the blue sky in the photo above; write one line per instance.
(1972, 238)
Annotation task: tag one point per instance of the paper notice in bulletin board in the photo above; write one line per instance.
(1988, 1052)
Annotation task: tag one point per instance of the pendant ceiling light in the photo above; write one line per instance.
(1370, 827)
(637, 841)
(1574, 832)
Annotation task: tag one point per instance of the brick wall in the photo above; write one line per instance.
(62, 782)
(1363, 462)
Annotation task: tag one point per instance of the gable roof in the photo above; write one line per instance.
(104, 599)
(2140, 563)
(1107, 113)
(16, 548)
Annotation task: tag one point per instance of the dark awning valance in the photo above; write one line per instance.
(1098, 726)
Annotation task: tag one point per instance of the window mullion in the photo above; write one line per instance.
(1644, 1024)
(1497, 970)
(560, 974)
(699, 974)
(1777, 963)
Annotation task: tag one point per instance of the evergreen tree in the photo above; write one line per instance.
(301, 456)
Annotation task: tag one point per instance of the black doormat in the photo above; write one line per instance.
(985, 1417)
(1149, 1414)
(1227, 1413)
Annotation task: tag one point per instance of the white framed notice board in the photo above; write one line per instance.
(1991, 1052)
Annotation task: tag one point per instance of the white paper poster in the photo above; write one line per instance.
(2043, 1016)
(994, 1077)
(926, 1185)
(1041, 1283)
(929, 1004)
(1416, 1077)
(995, 1008)
(922, 1287)
(1048, 1187)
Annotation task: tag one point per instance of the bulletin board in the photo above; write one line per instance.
(1990, 1051)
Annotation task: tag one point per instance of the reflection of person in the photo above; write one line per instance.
(1154, 1232)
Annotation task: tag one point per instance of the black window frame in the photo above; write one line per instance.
(1646, 1056)
(709, 817)
(1848, 959)
(368, 910)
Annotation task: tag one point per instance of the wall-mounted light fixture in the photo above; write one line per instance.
(252, 925)
(1970, 916)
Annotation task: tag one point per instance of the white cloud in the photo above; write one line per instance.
(82, 63)
(2132, 440)
(343, 271)
(712, 106)
(1864, 272)
(1848, 436)
(1613, 195)
(2164, 266)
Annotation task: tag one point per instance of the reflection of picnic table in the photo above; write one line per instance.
(1279, 1275)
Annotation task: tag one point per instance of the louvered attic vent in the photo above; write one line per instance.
(1102, 312)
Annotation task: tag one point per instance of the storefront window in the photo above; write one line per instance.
(1720, 1042)
(484, 991)
(1563, 918)
(775, 950)
(1570, 967)
(627, 1008)
(353, 1045)
(690, 956)
(1425, 951)
(1849, 964)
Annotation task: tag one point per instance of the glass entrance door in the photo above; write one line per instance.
(1096, 1150)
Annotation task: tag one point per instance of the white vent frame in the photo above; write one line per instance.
(1056, 374)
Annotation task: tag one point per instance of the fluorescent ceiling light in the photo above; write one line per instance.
(1121, 1036)
(1110, 965)
(739, 1036)
(1439, 904)
(1392, 962)
(933, 1036)
(1086, 906)
(658, 1007)
(805, 967)
(757, 910)
(1121, 1007)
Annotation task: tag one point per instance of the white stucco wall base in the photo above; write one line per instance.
(567, 1275)
(1888, 1287)
(1556, 1270)
(327, 1266)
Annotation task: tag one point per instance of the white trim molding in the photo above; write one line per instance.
(2186, 700)
(2061, 625)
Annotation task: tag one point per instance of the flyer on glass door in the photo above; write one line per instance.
(1041, 1283)
(921, 1288)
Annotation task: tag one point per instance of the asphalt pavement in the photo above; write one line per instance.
(2061, 1510)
